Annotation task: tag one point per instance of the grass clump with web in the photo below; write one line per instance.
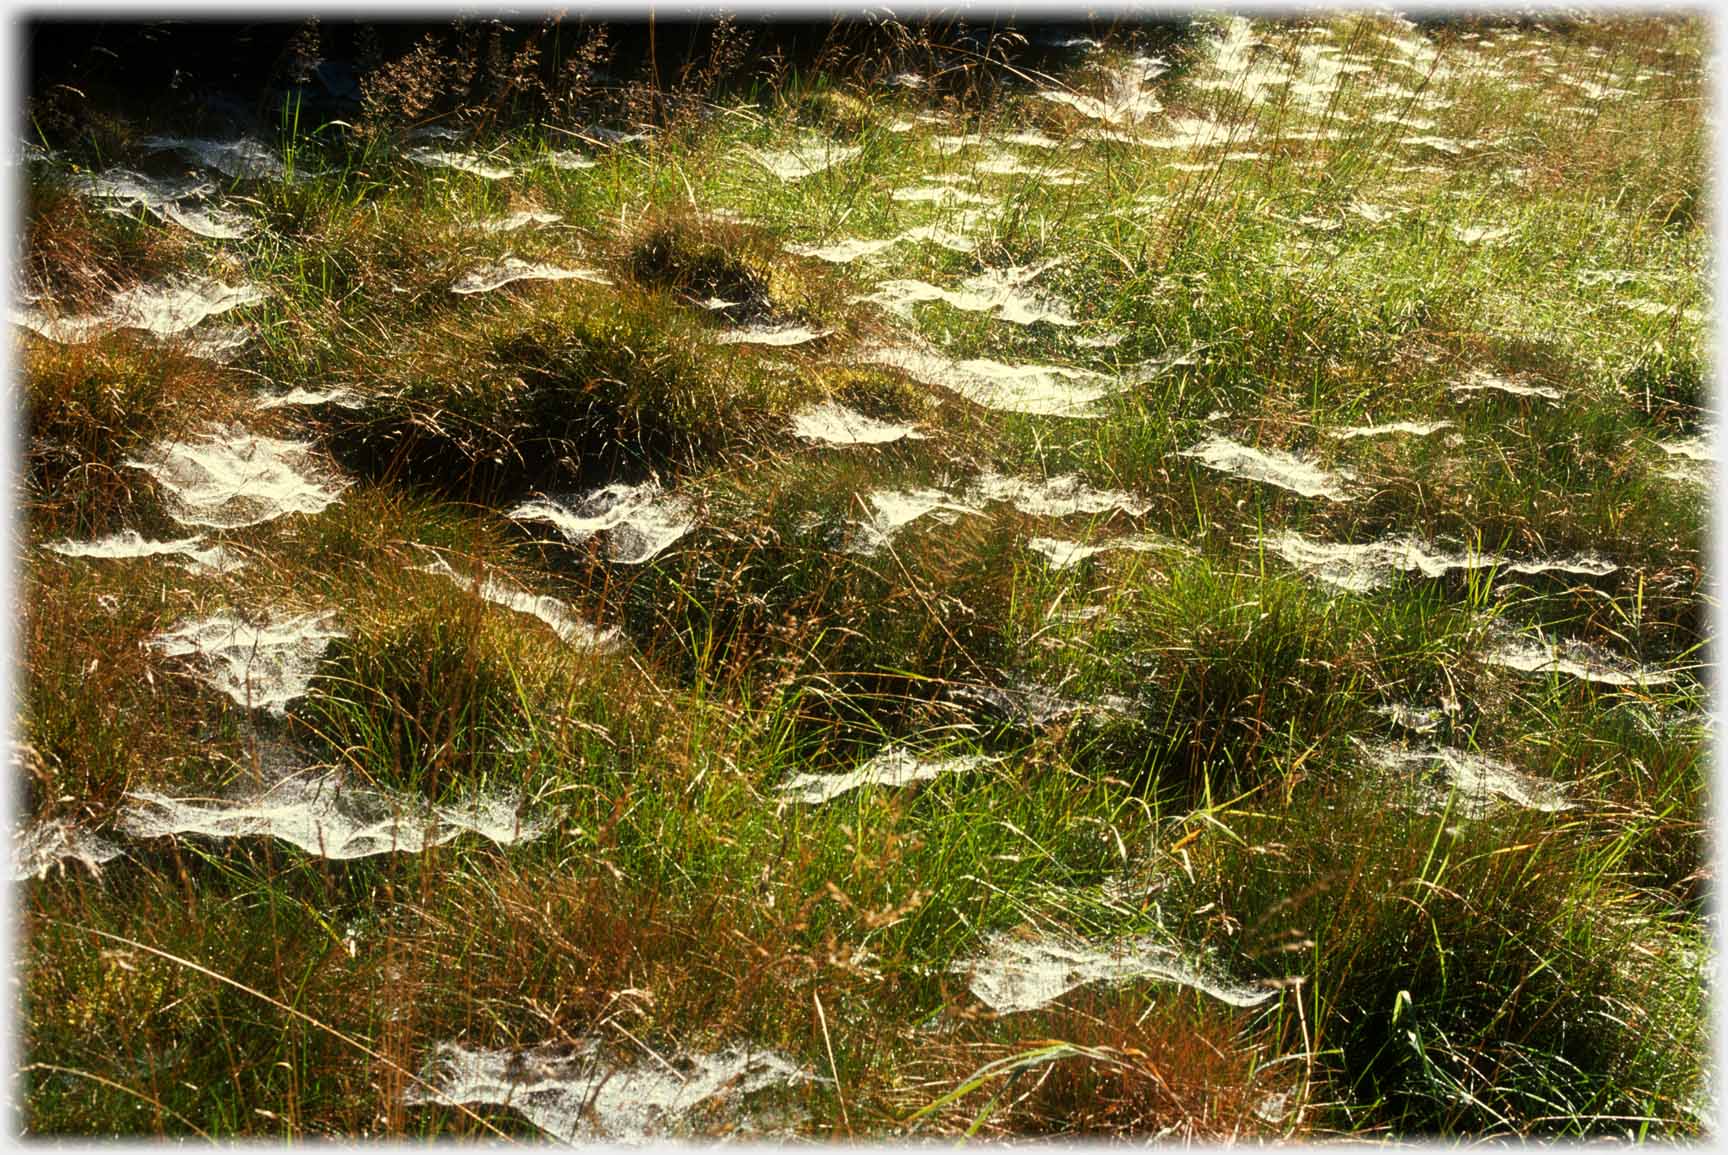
(1431, 283)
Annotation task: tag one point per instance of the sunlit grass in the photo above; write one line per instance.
(1173, 739)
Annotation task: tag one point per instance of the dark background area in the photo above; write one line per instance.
(235, 75)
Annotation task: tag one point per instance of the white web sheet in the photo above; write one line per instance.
(554, 613)
(324, 816)
(804, 159)
(492, 275)
(894, 766)
(129, 543)
(579, 1096)
(780, 336)
(639, 520)
(1067, 554)
(835, 424)
(231, 478)
(1016, 974)
(1125, 100)
(163, 310)
(461, 162)
(1003, 293)
(1474, 782)
(1041, 390)
(263, 667)
(1414, 428)
(524, 218)
(1059, 496)
(1271, 467)
(243, 158)
(1577, 659)
(1371, 565)
(891, 510)
(45, 846)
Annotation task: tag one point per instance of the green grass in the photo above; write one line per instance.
(1519, 974)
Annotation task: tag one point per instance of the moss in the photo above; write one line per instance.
(880, 393)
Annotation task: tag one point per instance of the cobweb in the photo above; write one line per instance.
(778, 336)
(894, 766)
(891, 510)
(461, 162)
(324, 816)
(1058, 496)
(496, 274)
(639, 520)
(548, 609)
(129, 543)
(1043, 390)
(45, 846)
(261, 667)
(1018, 974)
(1004, 293)
(242, 158)
(577, 1095)
(1578, 659)
(1475, 781)
(1067, 554)
(1371, 565)
(232, 478)
(1271, 467)
(835, 424)
(806, 158)
(163, 310)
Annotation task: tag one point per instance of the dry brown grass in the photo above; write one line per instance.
(1162, 1064)
(88, 407)
(79, 253)
(100, 713)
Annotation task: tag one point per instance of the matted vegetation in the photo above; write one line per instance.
(947, 582)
